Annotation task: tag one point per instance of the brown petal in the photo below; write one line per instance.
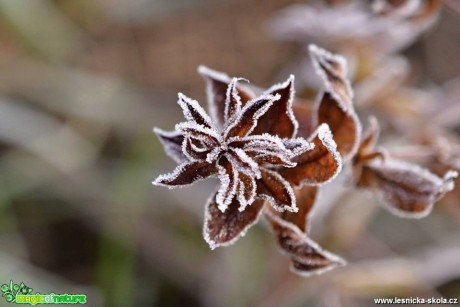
(308, 258)
(172, 144)
(244, 162)
(273, 159)
(345, 125)
(333, 70)
(318, 165)
(405, 189)
(193, 111)
(297, 146)
(246, 120)
(193, 152)
(228, 176)
(216, 90)
(224, 228)
(246, 190)
(264, 142)
(278, 191)
(200, 133)
(306, 197)
(279, 120)
(233, 101)
(303, 112)
(186, 173)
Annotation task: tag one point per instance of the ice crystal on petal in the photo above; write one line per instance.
(244, 122)
(193, 112)
(298, 146)
(233, 102)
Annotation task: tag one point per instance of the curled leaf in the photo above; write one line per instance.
(307, 256)
(316, 166)
(332, 69)
(405, 189)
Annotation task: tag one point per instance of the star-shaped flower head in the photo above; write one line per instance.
(250, 143)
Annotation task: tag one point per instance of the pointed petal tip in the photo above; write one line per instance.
(450, 175)
(212, 74)
(449, 180)
(212, 245)
(157, 181)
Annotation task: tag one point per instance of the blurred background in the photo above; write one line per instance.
(82, 83)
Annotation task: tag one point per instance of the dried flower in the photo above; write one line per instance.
(250, 143)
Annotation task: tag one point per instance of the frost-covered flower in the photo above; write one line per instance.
(250, 143)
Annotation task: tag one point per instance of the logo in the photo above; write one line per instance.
(22, 294)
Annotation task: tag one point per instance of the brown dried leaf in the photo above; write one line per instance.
(307, 257)
(332, 69)
(224, 228)
(318, 165)
(405, 189)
